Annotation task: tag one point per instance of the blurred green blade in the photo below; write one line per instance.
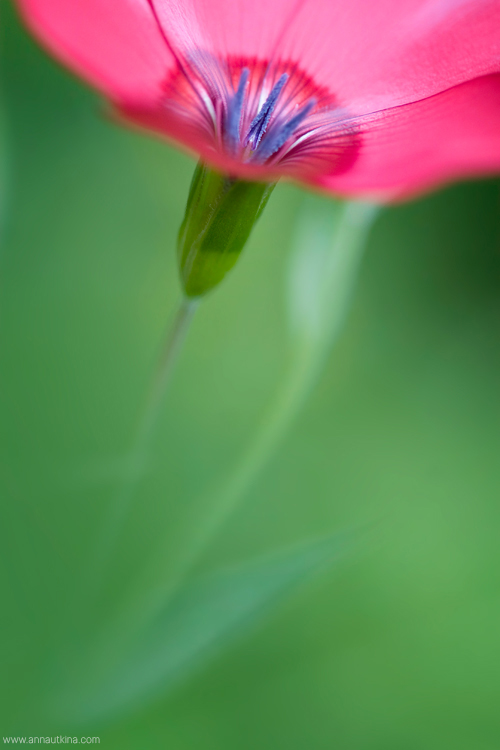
(328, 246)
(198, 621)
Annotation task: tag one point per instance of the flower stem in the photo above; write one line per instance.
(335, 276)
(334, 262)
(172, 348)
(140, 452)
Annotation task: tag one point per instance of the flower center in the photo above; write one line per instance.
(262, 114)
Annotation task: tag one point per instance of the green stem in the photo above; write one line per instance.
(338, 277)
(140, 453)
(315, 334)
(173, 345)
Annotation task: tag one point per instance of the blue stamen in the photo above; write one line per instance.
(234, 110)
(260, 122)
(276, 140)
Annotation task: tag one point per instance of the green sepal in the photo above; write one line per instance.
(220, 215)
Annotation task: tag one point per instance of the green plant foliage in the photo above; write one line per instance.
(220, 215)
(397, 651)
(198, 619)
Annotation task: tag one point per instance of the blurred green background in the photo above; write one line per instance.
(398, 647)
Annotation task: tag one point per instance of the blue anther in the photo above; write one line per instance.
(260, 122)
(275, 140)
(234, 109)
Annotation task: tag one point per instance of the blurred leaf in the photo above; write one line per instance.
(328, 246)
(198, 620)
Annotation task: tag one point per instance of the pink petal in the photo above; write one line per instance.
(415, 147)
(114, 44)
(371, 54)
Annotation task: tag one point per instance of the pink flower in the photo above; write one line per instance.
(380, 98)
